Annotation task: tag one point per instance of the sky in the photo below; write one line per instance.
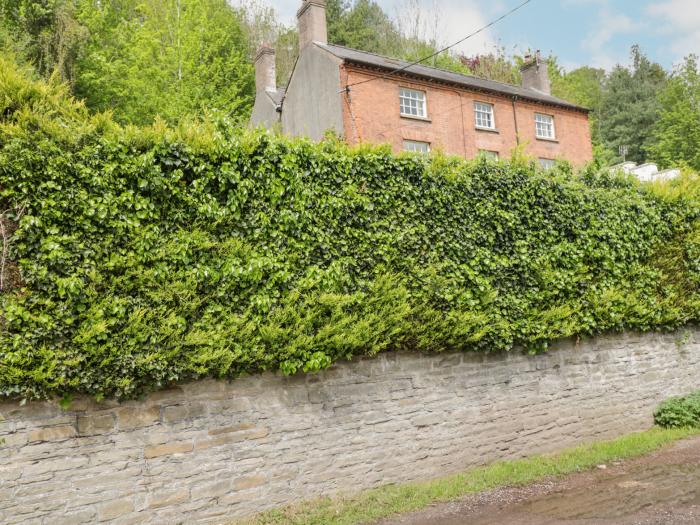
(579, 32)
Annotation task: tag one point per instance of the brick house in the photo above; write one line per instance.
(417, 109)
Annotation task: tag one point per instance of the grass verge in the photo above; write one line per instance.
(389, 500)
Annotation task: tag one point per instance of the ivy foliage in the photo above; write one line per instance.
(155, 255)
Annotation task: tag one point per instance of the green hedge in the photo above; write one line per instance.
(151, 256)
(679, 412)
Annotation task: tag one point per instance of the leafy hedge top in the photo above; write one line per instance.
(153, 256)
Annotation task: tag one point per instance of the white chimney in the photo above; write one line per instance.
(265, 74)
(535, 74)
(311, 21)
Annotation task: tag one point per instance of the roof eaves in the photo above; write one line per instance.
(519, 96)
(537, 97)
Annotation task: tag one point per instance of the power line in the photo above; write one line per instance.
(403, 68)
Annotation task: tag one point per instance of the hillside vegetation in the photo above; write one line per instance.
(155, 255)
(151, 59)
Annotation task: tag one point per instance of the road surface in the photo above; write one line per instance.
(662, 488)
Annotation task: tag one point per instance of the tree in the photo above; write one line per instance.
(677, 131)
(582, 86)
(421, 37)
(43, 33)
(362, 25)
(167, 58)
(630, 106)
(261, 26)
(286, 53)
(493, 66)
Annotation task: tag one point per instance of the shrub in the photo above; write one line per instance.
(156, 255)
(679, 412)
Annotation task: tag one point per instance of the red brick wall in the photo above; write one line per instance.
(371, 114)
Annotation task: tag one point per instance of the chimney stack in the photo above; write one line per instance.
(535, 74)
(311, 20)
(265, 74)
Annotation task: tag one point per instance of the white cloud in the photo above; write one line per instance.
(287, 10)
(679, 20)
(609, 24)
(460, 18)
(570, 65)
(445, 21)
(584, 2)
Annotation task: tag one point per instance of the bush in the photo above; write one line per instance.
(156, 255)
(679, 412)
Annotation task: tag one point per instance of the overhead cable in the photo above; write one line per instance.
(416, 62)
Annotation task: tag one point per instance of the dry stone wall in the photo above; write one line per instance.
(209, 452)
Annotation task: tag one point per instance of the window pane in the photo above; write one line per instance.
(544, 126)
(547, 164)
(416, 146)
(412, 102)
(491, 155)
(483, 114)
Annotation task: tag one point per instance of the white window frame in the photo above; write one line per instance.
(416, 146)
(489, 154)
(484, 115)
(412, 103)
(544, 126)
(546, 164)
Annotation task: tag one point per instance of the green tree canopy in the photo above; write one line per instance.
(676, 136)
(165, 58)
(362, 25)
(630, 106)
(582, 86)
(44, 33)
(495, 65)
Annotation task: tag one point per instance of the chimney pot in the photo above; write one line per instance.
(265, 74)
(311, 22)
(535, 74)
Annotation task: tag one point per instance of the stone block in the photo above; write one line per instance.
(249, 482)
(9, 473)
(114, 509)
(211, 490)
(40, 410)
(168, 498)
(57, 433)
(96, 423)
(171, 395)
(130, 418)
(173, 414)
(204, 444)
(77, 518)
(167, 449)
(14, 439)
(85, 403)
(232, 437)
(427, 420)
(230, 405)
(232, 428)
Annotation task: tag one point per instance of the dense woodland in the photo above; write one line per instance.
(177, 59)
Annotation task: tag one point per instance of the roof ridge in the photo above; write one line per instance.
(492, 84)
(413, 63)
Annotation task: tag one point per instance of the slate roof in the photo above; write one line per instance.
(370, 59)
